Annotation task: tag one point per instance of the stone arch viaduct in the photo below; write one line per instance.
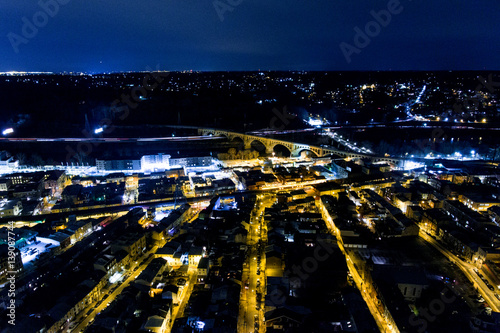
(295, 148)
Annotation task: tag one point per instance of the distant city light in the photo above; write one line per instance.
(99, 130)
(8, 131)
(315, 122)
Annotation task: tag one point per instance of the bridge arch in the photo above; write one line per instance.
(256, 139)
(219, 133)
(257, 144)
(306, 153)
(299, 149)
(215, 133)
(237, 140)
(281, 150)
(233, 136)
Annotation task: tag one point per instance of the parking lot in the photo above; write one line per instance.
(33, 250)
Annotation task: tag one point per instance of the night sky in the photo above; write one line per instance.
(110, 35)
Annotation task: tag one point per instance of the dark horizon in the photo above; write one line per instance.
(70, 36)
(12, 73)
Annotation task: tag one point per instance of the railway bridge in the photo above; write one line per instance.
(295, 148)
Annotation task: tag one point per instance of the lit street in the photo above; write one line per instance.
(379, 317)
(469, 272)
(107, 299)
(178, 310)
(254, 278)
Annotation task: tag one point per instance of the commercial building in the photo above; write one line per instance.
(479, 203)
(192, 161)
(22, 236)
(8, 161)
(10, 207)
(126, 164)
(133, 243)
(150, 163)
(79, 229)
(155, 162)
(5, 184)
